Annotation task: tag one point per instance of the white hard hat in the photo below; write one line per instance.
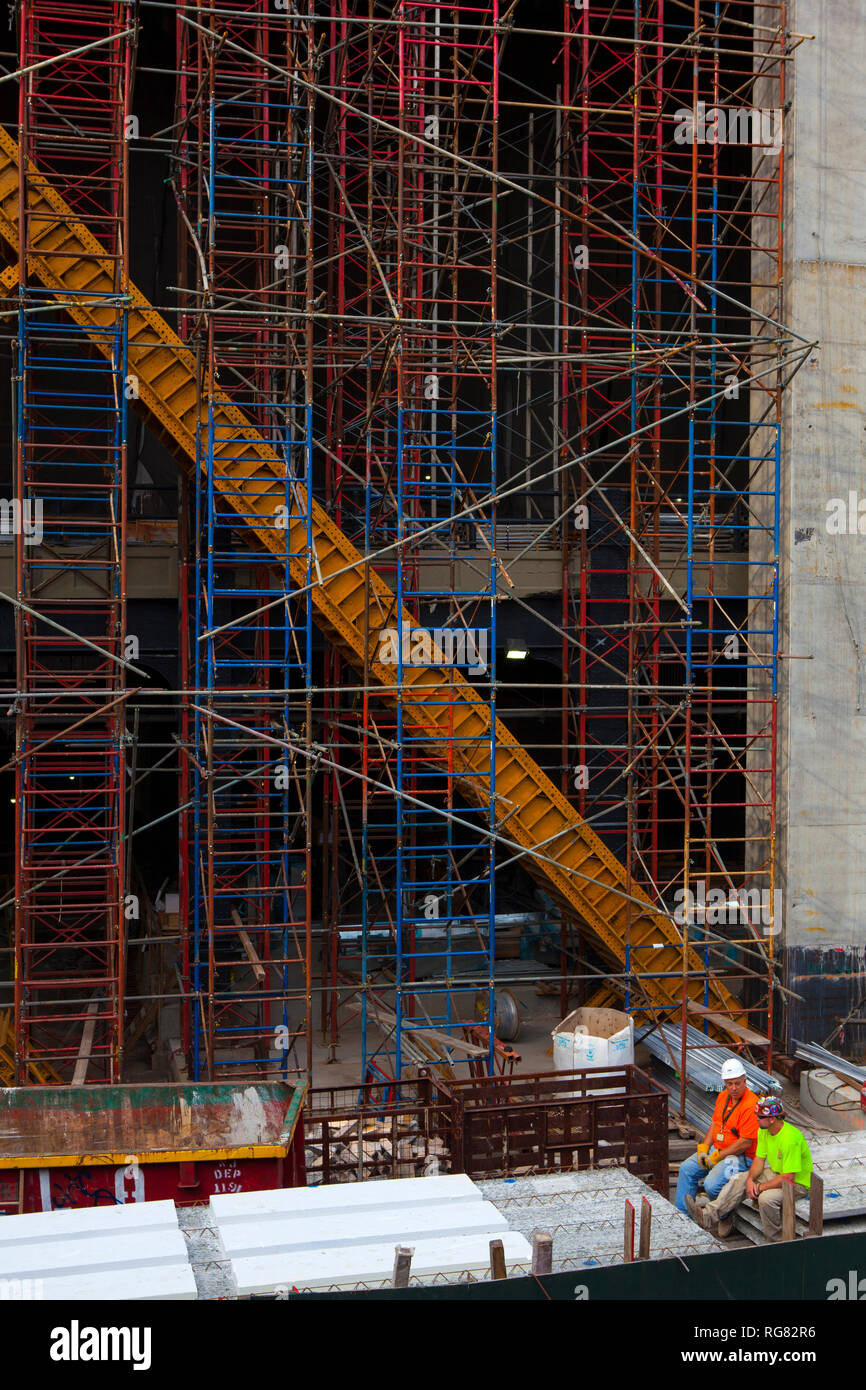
(732, 1068)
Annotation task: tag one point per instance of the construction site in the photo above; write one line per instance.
(430, 661)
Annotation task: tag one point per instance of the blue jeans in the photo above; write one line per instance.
(691, 1173)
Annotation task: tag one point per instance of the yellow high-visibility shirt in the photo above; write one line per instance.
(786, 1152)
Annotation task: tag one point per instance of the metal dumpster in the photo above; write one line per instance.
(75, 1146)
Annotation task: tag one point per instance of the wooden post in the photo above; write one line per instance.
(628, 1244)
(787, 1211)
(816, 1206)
(402, 1265)
(542, 1253)
(646, 1221)
(497, 1259)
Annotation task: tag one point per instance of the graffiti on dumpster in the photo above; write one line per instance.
(81, 1187)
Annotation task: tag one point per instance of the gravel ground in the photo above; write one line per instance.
(211, 1268)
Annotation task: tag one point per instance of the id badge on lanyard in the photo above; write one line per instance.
(720, 1137)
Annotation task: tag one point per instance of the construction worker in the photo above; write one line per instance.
(782, 1155)
(728, 1146)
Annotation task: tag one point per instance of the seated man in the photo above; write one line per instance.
(782, 1156)
(729, 1143)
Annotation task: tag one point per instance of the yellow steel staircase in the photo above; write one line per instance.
(352, 606)
(39, 1072)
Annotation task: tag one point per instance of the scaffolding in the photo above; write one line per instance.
(243, 175)
(636, 329)
(71, 412)
(676, 592)
(412, 442)
(467, 274)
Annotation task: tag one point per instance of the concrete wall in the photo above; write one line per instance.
(822, 752)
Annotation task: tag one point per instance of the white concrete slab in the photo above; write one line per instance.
(374, 1264)
(346, 1197)
(340, 1230)
(71, 1223)
(135, 1251)
(118, 1250)
(74, 1222)
(174, 1283)
(345, 1234)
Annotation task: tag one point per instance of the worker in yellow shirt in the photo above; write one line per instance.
(781, 1156)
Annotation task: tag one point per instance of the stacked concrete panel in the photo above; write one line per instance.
(345, 1235)
(123, 1252)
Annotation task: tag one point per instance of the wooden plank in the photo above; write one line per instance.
(738, 1030)
(628, 1234)
(646, 1221)
(80, 1074)
(816, 1206)
(428, 1044)
(250, 950)
(441, 1039)
(787, 1211)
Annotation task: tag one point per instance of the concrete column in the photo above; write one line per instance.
(821, 805)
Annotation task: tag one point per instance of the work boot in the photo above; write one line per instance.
(725, 1227)
(695, 1212)
(710, 1223)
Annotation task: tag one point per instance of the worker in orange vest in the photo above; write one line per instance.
(729, 1143)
